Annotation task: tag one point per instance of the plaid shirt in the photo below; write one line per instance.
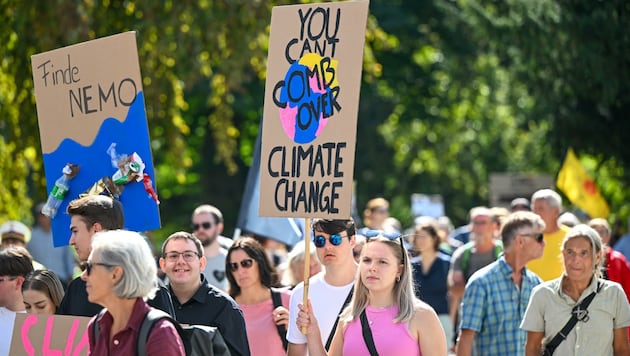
(493, 306)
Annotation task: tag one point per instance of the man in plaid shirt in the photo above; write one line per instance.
(497, 295)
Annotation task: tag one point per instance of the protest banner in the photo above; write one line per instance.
(93, 129)
(310, 109)
(49, 335)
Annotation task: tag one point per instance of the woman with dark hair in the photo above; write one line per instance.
(430, 273)
(42, 292)
(251, 277)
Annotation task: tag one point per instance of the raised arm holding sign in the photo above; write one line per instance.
(308, 138)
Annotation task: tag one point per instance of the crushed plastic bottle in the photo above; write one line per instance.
(59, 191)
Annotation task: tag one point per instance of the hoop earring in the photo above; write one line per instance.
(397, 279)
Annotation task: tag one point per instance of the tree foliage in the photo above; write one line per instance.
(452, 91)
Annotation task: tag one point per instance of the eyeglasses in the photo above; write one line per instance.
(538, 236)
(87, 266)
(246, 263)
(7, 279)
(334, 239)
(188, 255)
(206, 225)
(371, 234)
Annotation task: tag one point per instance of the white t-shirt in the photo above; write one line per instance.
(326, 300)
(7, 321)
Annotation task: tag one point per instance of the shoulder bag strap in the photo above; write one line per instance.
(367, 334)
(562, 334)
(334, 328)
(282, 330)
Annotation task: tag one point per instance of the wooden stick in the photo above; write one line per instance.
(307, 262)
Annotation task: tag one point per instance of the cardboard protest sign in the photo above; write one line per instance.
(93, 128)
(49, 335)
(311, 105)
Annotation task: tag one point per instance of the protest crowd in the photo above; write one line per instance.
(503, 284)
(526, 278)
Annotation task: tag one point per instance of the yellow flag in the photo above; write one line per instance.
(581, 190)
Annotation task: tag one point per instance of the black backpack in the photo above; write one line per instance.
(199, 340)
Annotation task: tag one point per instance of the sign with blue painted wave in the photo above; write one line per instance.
(94, 132)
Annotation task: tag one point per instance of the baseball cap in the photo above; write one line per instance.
(522, 203)
(13, 229)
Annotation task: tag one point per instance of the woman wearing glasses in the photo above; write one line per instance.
(251, 277)
(578, 313)
(384, 312)
(120, 274)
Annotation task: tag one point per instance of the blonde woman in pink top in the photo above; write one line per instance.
(399, 323)
(251, 277)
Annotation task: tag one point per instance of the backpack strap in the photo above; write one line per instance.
(149, 321)
(466, 256)
(498, 249)
(282, 330)
(95, 329)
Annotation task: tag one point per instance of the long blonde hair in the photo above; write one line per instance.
(402, 292)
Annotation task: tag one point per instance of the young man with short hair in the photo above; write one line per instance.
(194, 299)
(329, 289)
(15, 265)
(88, 215)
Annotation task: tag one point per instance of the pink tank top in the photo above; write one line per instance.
(389, 338)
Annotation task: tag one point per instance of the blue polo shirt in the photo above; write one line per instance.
(432, 288)
(493, 306)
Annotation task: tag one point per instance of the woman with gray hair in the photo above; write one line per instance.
(578, 313)
(120, 274)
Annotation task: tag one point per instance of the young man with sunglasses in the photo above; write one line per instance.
(207, 226)
(88, 215)
(329, 289)
(192, 298)
(497, 295)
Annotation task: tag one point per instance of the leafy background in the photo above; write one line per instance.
(452, 91)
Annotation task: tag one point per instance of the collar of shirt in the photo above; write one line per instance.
(592, 287)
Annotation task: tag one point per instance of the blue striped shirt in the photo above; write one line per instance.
(493, 307)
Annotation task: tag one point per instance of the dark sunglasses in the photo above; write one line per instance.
(320, 241)
(206, 225)
(371, 234)
(539, 236)
(87, 266)
(246, 263)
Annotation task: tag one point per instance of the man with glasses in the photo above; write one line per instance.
(15, 264)
(192, 298)
(330, 289)
(207, 226)
(497, 295)
(88, 215)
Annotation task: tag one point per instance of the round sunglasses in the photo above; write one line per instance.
(334, 239)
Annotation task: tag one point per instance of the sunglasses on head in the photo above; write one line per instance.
(206, 225)
(334, 239)
(87, 266)
(246, 263)
(372, 234)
